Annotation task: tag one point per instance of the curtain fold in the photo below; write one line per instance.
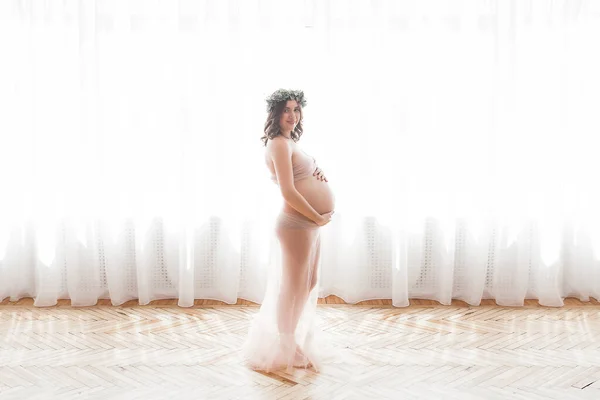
(457, 137)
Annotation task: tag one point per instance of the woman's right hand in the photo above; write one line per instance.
(325, 218)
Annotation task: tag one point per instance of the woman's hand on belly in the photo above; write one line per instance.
(325, 218)
(320, 175)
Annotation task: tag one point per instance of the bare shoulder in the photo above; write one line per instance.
(279, 146)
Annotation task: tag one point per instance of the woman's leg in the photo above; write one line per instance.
(315, 265)
(297, 247)
(272, 340)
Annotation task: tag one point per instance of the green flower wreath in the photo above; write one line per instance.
(284, 95)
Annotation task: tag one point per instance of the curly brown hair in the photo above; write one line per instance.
(272, 128)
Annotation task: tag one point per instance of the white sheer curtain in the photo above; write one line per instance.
(457, 136)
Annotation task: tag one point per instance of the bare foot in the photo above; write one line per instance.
(300, 359)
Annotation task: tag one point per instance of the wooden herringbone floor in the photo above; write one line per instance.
(419, 352)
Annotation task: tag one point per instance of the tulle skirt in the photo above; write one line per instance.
(282, 333)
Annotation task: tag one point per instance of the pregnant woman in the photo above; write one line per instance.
(282, 333)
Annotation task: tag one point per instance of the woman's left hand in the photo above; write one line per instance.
(319, 174)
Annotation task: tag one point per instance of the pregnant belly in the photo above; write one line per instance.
(317, 193)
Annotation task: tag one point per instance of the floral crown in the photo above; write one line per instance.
(284, 95)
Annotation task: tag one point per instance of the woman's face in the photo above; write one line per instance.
(290, 116)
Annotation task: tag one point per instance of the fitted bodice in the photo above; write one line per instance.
(303, 166)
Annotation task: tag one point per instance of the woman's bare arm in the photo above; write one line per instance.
(281, 154)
